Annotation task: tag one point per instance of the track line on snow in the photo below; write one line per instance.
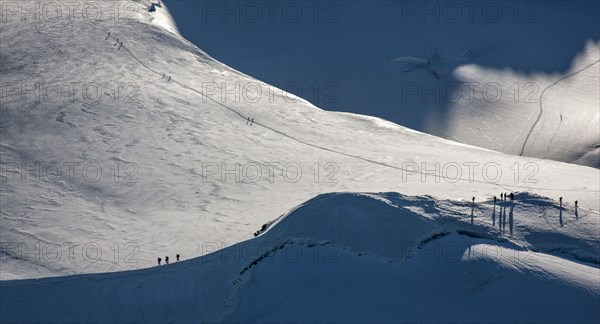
(553, 136)
(541, 103)
(503, 186)
(500, 185)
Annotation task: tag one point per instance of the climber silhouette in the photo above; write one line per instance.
(560, 212)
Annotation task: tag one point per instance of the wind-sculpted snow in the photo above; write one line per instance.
(346, 257)
(452, 69)
(156, 158)
(122, 142)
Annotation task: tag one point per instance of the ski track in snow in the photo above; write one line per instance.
(553, 136)
(500, 185)
(392, 286)
(109, 132)
(541, 104)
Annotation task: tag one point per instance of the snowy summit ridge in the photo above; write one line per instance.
(406, 249)
(139, 145)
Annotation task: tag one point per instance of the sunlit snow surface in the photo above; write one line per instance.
(164, 149)
(356, 258)
(518, 77)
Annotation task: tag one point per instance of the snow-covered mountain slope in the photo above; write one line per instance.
(347, 257)
(515, 77)
(129, 152)
(559, 119)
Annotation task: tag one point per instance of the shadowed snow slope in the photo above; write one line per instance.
(140, 156)
(349, 257)
(460, 70)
